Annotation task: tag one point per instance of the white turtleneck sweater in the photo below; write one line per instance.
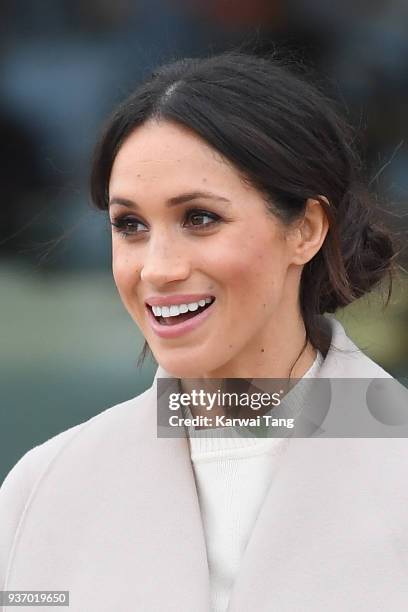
(233, 475)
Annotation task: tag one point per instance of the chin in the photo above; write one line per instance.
(184, 371)
(184, 368)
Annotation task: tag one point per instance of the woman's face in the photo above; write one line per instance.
(186, 228)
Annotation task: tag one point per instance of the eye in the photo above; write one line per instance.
(195, 215)
(127, 225)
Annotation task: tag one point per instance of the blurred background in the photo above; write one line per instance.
(68, 348)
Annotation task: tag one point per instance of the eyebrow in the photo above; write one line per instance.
(176, 200)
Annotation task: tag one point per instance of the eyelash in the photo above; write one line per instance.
(121, 223)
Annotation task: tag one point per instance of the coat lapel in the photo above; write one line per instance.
(132, 537)
(319, 541)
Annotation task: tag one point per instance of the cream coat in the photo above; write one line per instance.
(110, 512)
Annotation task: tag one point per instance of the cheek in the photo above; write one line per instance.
(125, 270)
(254, 274)
(242, 265)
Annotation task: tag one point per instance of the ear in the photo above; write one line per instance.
(309, 233)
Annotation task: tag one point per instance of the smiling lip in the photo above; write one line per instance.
(173, 331)
(168, 300)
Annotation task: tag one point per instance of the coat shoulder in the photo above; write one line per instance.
(22, 481)
(344, 359)
(37, 459)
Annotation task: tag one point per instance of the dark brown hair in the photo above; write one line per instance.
(286, 139)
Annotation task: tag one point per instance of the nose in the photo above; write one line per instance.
(165, 262)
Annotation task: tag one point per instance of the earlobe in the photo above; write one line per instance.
(311, 231)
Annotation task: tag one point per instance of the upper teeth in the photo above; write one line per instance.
(173, 310)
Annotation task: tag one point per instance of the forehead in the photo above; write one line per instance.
(168, 156)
